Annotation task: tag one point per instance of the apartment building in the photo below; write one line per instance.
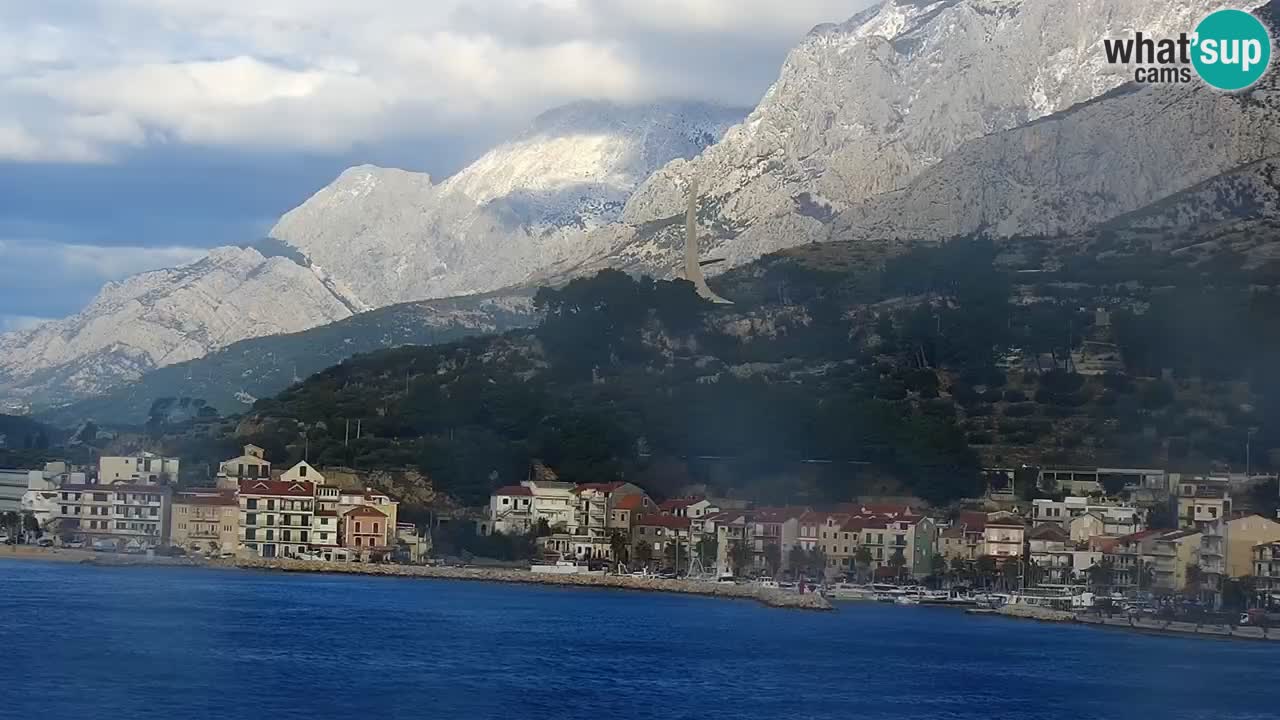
(206, 521)
(276, 517)
(1198, 501)
(365, 528)
(1226, 548)
(141, 469)
(1131, 556)
(120, 517)
(1003, 536)
(1266, 569)
(1171, 554)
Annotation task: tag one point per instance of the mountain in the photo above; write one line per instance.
(372, 238)
(1140, 149)
(833, 376)
(520, 208)
(167, 316)
(231, 379)
(864, 107)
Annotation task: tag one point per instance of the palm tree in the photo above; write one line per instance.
(798, 559)
(642, 555)
(960, 568)
(739, 556)
(898, 561)
(862, 560)
(618, 546)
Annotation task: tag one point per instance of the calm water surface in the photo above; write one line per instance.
(83, 642)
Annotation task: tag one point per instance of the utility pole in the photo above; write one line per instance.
(346, 438)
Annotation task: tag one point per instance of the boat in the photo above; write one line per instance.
(850, 591)
(906, 600)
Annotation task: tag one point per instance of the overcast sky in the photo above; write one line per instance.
(134, 133)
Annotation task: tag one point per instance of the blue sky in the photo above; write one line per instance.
(136, 133)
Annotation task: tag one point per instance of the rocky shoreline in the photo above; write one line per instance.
(1144, 625)
(766, 596)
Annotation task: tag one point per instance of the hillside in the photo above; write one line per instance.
(841, 367)
(231, 380)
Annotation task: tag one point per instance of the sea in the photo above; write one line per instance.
(82, 642)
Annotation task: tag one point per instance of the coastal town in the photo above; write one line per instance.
(1145, 537)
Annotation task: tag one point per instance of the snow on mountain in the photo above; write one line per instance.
(372, 238)
(865, 106)
(394, 236)
(162, 317)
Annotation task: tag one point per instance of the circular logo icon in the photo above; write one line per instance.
(1232, 49)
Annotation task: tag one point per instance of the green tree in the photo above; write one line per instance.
(740, 557)
(707, 549)
(960, 569)
(31, 525)
(985, 569)
(642, 555)
(817, 563)
(773, 558)
(798, 560)
(939, 570)
(618, 546)
(1145, 575)
(1009, 573)
(898, 561)
(1101, 575)
(1195, 579)
(862, 561)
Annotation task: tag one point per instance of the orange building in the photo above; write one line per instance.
(364, 527)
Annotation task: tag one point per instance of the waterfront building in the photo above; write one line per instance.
(206, 521)
(1226, 549)
(1266, 570)
(364, 528)
(511, 510)
(1003, 536)
(773, 530)
(660, 533)
(1172, 553)
(1050, 548)
(368, 497)
(1131, 556)
(120, 517)
(141, 469)
(276, 517)
(624, 511)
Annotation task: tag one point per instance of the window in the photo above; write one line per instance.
(251, 534)
(304, 537)
(357, 542)
(271, 504)
(375, 528)
(506, 501)
(302, 471)
(99, 497)
(357, 526)
(251, 504)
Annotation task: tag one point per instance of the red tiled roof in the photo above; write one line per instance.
(1142, 535)
(666, 521)
(365, 511)
(258, 486)
(953, 532)
(674, 503)
(630, 502)
(973, 520)
(513, 490)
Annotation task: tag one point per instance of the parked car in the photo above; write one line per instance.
(45, 542)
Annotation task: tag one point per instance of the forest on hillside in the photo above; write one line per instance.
(889, 372)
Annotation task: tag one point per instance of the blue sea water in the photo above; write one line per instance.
(81, 642)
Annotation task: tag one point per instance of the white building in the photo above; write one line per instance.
(141, 469)
(121, 517)
(276, 517)
(302, 471)
(252, 464)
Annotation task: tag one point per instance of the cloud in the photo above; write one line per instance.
(84, 80)
(14, 323)
(41, 279)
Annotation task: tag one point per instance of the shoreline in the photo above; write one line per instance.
(766, 596)
(1162, 628)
